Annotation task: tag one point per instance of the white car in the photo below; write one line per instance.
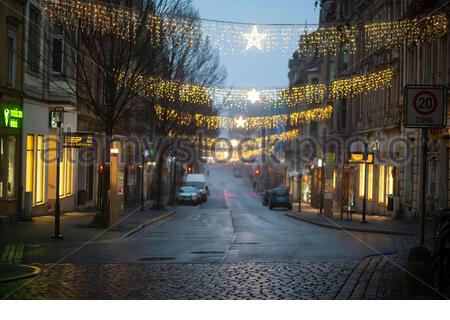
(188, 195)
(198, 181)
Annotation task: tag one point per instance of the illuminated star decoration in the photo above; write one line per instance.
(254, 39)
(253, 96)
(240, 123)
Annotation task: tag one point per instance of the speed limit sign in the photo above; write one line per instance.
(425, 107)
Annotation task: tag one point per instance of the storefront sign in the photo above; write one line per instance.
(78, 140)
(11, 117)
(359, 157)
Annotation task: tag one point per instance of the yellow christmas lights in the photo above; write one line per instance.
(270, 98)
(394, 34)
(237, 38)
(295, 119)
(329, 40)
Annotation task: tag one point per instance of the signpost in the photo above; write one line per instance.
(425, 108)
(79, 140)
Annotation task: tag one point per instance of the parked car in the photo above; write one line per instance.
(266, 197)
(280, 198)
(189, 195)
(198, 181)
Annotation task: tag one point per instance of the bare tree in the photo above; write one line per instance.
(103, 55)
(186, 59)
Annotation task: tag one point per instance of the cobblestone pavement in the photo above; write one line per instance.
(309, 280)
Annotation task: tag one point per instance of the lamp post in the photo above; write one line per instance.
(322, 183)
(142, 182)
(366, 157)
(300, 178)
(59, 148)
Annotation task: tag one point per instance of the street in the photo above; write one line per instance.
(228, 248)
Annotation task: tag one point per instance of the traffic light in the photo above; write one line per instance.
(258, 171)
(189, 169)
(101, 168)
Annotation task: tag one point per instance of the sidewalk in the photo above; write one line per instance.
(75, 228)
(376, 224)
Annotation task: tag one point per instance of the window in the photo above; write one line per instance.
(8, 153)
(12, 57)
(370, 183)
(58, 50)
(390, 182)
(334, 179)
(362, 180)
(30, 164)
(34, 39)
(382, 179)
(39, 196)
(35, 174)
(66, 173)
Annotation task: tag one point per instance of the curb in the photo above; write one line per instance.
(36, 271)
(342, 228)
(148, 224)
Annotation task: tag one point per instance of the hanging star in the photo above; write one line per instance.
(254, 39)
(240, 123)
(253, 96)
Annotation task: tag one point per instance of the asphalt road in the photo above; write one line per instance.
(233, 227)
(228, 248)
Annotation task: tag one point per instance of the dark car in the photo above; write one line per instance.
(280, 198)
(266, 198)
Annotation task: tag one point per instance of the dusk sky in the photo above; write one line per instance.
(257, 70)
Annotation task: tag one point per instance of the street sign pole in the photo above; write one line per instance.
(425, 108)
(423, 173)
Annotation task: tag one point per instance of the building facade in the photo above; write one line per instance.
(12, 28)
(49, 79)
(373, 123)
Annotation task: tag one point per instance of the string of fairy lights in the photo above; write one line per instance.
(238, 38)
(269, 98)
(294, 119)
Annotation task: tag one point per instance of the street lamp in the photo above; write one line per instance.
(59, 119)
(321, 166)
(365, 158)
(300, 178)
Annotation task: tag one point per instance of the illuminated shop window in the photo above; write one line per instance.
(40, 171)
(66, 173)
(389, 183)
(35, 165)
(30, 164)
(8, 167)
(362, 179)
(382, 185)
(370, 183)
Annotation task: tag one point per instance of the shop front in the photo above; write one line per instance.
(380, 185)
(34, 165)
(11, 118)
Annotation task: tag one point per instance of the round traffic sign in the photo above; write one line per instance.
(425, 103)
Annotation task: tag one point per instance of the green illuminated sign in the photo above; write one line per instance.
(11, 117)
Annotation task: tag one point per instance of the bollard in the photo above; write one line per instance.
(419, 266)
